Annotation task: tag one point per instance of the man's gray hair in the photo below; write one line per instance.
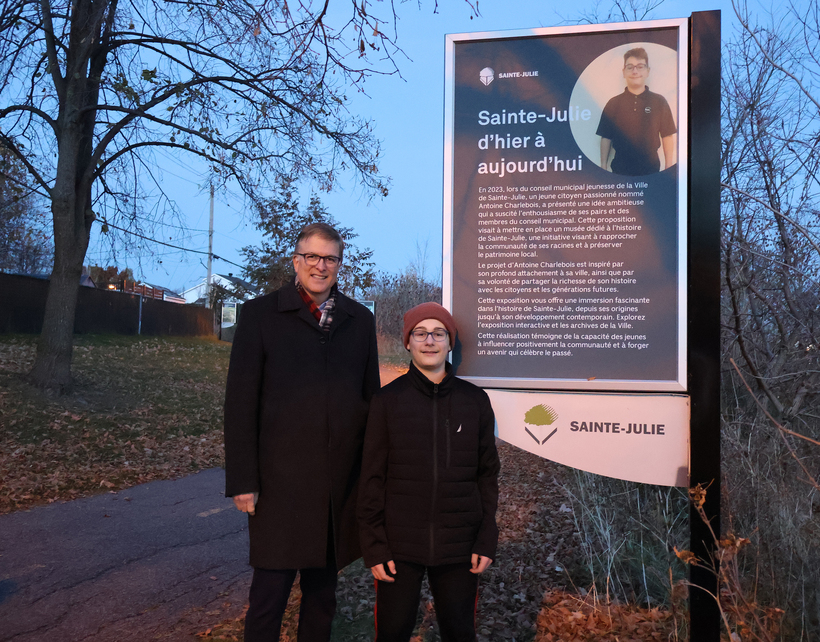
(323, 231)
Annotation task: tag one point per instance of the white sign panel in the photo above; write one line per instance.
(637, 437)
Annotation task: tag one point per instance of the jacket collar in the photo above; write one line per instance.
(643, 94)
(426, 386)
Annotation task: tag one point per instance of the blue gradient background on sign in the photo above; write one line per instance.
(560, 60)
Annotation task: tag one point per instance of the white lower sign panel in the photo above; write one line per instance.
(637, 437)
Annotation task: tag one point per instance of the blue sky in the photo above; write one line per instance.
(408, 116)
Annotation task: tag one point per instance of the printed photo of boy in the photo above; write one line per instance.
(636, 123)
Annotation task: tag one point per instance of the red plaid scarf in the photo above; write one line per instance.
(324, 314)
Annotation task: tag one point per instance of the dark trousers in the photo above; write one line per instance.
(454, 589)
(269, 594)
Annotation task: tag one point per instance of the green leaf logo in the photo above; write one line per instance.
(540, 415)
(536, 418)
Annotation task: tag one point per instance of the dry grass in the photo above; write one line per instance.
(145, 408)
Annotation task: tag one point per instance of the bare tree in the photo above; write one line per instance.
(771, 304)
(25, 244)
(618, 11)
(93, 89)
(395, 294)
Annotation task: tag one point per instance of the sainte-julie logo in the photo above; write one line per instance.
(486, 75)
(539, 420)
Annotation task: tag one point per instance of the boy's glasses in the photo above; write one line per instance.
(421, 335)
(640, 67)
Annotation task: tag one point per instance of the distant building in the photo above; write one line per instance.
(198, 295)
(147, 290)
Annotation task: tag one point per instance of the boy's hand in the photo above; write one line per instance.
(479, 563)
(381, 574)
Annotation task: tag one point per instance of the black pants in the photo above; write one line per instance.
(269, 594)
(454, 589)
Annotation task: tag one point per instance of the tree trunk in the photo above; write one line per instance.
(70, 208)
(52, 366)
(71, 195)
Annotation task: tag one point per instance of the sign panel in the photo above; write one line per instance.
(640, 438)
(565, 222)
(370, 305)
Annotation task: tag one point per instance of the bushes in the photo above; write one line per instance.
(394, 294)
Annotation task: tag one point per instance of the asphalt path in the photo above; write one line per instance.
(160, 561)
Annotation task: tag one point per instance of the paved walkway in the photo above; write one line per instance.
(158, 561)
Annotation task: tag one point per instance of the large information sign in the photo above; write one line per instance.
(565, 222)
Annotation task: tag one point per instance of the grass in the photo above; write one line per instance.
(144, 408)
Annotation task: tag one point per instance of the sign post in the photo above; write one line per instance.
(704, 326)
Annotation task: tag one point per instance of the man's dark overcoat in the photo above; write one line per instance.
(295, 412)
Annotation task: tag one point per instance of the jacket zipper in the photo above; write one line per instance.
(447, 430)
(435, 475)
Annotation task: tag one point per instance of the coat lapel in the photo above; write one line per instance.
(291, 301)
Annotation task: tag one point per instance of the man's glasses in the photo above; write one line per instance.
(640, 67)
(313, 259)
(421, 335)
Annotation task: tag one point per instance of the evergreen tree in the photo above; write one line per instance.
(280, 219)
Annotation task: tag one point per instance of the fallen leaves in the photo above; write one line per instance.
(568, 617)
(145, 408)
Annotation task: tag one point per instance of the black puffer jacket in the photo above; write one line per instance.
(429, 486)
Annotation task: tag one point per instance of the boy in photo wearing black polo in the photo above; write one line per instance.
(429, 486)
(636, 123)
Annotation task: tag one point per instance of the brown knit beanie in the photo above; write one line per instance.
(429, 310)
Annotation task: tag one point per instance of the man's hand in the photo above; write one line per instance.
(380, 573)
(246, 502)
(479, 563)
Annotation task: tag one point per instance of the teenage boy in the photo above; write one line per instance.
(636, 123)
(429, 486)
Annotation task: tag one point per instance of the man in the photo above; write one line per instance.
(636, 123)
(303, 368)
(429, 489)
